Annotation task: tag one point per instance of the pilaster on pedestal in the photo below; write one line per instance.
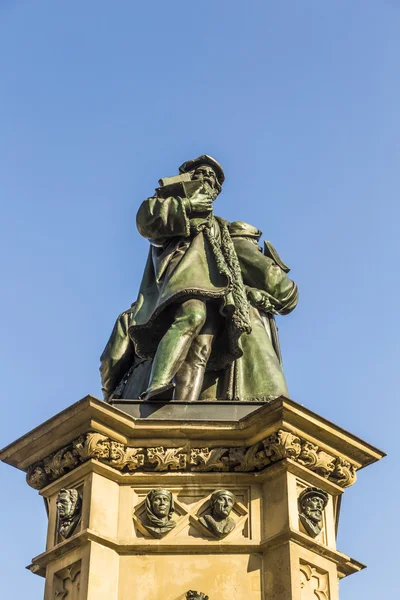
(279, 462)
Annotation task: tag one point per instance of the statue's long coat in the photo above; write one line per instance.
(197, 258)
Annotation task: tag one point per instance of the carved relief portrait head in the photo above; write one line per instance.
(312, 502)
(218, 521)
(159, 510)
(192, 595)
(69, 506)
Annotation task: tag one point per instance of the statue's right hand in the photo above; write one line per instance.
(200, 204)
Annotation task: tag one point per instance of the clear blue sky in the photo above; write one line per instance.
(299, 100)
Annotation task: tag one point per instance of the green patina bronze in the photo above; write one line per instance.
(202, 327)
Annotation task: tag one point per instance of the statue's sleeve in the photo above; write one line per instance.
(117, 357)
(262, 273)
(160, 219)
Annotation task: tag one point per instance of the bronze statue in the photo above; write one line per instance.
(159, 510)
(312, 502)
(218, 522)
(202, 327)
(69, 508)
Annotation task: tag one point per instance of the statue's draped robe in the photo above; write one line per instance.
(197, 258)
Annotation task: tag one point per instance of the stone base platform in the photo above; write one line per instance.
(191, 411)
(266, 457)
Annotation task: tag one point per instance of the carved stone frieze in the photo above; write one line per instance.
(278, 446)
(344, 472)
(317, 460)
(282, 444)
(204, 459)
(90, 445)
(167, 459)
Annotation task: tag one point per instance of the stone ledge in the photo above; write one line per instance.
(345, 564)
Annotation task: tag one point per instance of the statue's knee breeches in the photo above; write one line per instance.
(191, 317)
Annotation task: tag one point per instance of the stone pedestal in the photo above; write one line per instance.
(265, 454)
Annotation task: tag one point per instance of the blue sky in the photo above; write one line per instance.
(299, 102)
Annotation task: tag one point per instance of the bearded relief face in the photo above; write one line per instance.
(207, 174)
(312, 503)
(313, 508)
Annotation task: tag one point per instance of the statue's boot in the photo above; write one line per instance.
(169, 357)
(189, 379)
(174, 347)
(158, 392)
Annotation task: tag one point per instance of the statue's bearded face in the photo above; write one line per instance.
(208, 175)
(222, 506)
(65, 505)
(161, 506)
(313, 508)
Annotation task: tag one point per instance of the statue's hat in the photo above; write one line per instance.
(312, 492)
(242, 229)
(204, 159)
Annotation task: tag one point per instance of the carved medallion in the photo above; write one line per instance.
(192, 595)
(159, 505)
(312, 502)
(69, 511)
(217, 521)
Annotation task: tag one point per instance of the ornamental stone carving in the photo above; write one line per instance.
(67, 583)
(167, 459)
(278, 446)
(69, 511)
(205, 460)
(217, 521)
(312, 502)
(318, 461)
(344, 472)
(314, 583)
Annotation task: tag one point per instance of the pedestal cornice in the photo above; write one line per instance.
(281, 429)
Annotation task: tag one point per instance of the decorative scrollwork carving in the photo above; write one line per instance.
(167, 459)
(36, 476)
(248, 459)
(344, 473)
(282, 444)
(60, 463)
(317, 460)
(204, 459)
(92, 445)
(278, 446)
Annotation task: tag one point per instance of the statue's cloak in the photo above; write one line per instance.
(188, 258)
(198, 258)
